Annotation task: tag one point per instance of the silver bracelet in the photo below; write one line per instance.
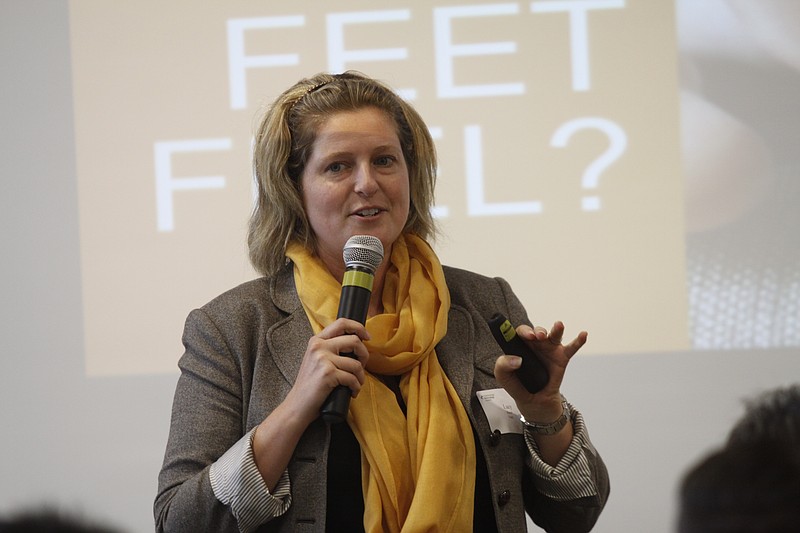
(549, 428)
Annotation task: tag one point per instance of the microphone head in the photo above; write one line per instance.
(364, 251)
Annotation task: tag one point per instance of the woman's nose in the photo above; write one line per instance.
(365, 182)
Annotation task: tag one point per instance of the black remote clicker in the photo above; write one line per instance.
(532, 374)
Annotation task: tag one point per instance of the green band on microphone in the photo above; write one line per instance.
(357, 278)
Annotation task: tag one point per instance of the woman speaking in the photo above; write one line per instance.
(338, 156)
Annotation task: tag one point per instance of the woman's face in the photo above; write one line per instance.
(355, 183)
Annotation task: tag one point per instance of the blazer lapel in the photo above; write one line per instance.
(456, 352)
(287, 338)
(461, 357)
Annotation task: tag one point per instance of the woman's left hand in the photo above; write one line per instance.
(545, 405)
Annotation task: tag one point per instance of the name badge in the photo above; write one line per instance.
(501, 410)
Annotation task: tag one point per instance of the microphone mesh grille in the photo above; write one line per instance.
(363, 251)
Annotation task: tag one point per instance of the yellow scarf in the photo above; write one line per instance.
(418, 469)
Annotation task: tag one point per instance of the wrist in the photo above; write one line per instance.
(549, 425)
(539, 408)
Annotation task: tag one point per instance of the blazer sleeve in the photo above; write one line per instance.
(208, 423)
(566, 499)
(586, 472)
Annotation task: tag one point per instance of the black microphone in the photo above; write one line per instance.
(362, 254)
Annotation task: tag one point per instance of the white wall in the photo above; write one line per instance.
(96, 444)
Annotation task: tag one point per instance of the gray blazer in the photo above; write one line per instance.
(243, 352)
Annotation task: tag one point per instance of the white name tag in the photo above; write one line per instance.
(501, 410)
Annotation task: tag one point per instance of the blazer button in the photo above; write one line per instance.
(504, 497)
(494, 438)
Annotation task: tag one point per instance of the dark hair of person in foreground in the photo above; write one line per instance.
(773, 415)
(752, 484)
(51, 521)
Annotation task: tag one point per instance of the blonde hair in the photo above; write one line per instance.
(283, 144)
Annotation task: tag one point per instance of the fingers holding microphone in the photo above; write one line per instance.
(345, 337)
(324, 368)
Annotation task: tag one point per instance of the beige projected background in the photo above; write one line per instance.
(556, 124)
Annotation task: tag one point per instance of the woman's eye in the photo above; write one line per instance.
(384, 160)
(335, 167)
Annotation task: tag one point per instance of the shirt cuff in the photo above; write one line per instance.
(572, 477)
(236, 482)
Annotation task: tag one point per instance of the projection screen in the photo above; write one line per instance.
(630, 166)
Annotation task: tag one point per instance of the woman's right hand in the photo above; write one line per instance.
(323, 369)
